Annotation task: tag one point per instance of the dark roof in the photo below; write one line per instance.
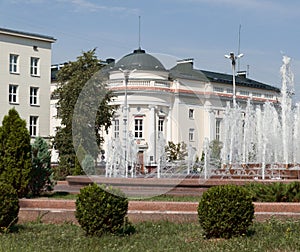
(186, 70)
(140, 60)
(239, 80)
(37, 36)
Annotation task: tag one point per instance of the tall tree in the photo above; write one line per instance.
(15, 152)
(41, 174)
(76, 103)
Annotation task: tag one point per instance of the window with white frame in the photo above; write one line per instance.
(218, 128)
(244, 93)
(34, 66)
(116, 128)
(138, 128)
(14, 63)
(229, 90)
(191, 113)
(34, 96)
(161, 124)
(13, 94)
(269, 96)
(218, 89)
(254, 94)
(191, 135)
(33, 125)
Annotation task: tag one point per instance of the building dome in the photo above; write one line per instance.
(140, 60)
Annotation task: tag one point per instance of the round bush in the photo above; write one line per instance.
(9, 206)
(102, 210)
(225, 211)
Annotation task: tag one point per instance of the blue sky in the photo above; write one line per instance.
(201, 29)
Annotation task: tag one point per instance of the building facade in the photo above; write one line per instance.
(181, 104)
(25, 61)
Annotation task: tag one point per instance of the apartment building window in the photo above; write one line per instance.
(160, 124)
(218, 129)
(116, 128)
(191, 113)
(229, 90)
(33, 125)
(34, 66)
(191, 135)
(14, 63)
(138, 128)
(13, 94)
(34, 91)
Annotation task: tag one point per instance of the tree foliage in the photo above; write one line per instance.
(9, 207)
(176, 151)
(41, 174)
(72, 79)
(15, 153)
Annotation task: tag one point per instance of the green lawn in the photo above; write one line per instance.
(162, 236)
(65, 195)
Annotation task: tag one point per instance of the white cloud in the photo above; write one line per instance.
(82, 5)
(267, 6)
(86, 5)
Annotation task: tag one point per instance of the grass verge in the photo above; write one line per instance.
(272, 235)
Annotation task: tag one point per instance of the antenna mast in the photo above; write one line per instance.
(139, 32)
(239, 47)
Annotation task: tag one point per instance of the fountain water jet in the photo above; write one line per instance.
(267, 135)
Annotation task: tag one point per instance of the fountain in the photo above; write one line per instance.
(264, 137)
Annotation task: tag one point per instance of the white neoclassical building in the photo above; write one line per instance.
(181, 104)
(25, 62)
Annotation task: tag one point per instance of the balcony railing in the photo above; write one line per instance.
(139, 83)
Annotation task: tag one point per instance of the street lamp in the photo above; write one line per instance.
(125, 118)
(233, 59)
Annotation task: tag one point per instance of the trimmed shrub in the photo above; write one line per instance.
(9, 207)
(102, 210)
(225, 211)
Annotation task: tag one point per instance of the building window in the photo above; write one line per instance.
(256, 94)
(13, 94)
(138, 128)
(34, 96)
(33, 125)
(218, 89)
(269, 96)
(229, 90)
(218, 129)
(116, 128)
(191, 113)
(160, 124)
(245, 93)
(34, 66)
(13, 63)
(191, 135)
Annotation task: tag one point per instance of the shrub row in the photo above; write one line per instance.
(274, 192)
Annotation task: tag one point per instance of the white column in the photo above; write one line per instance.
(212, 124)
(152, 133)
(169, 126)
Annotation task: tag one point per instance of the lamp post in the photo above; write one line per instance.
(125, 118)
(233, 59)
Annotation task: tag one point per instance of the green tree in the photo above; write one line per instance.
(176, 151)
(72, 79)
(15, 153)
(41, 174)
